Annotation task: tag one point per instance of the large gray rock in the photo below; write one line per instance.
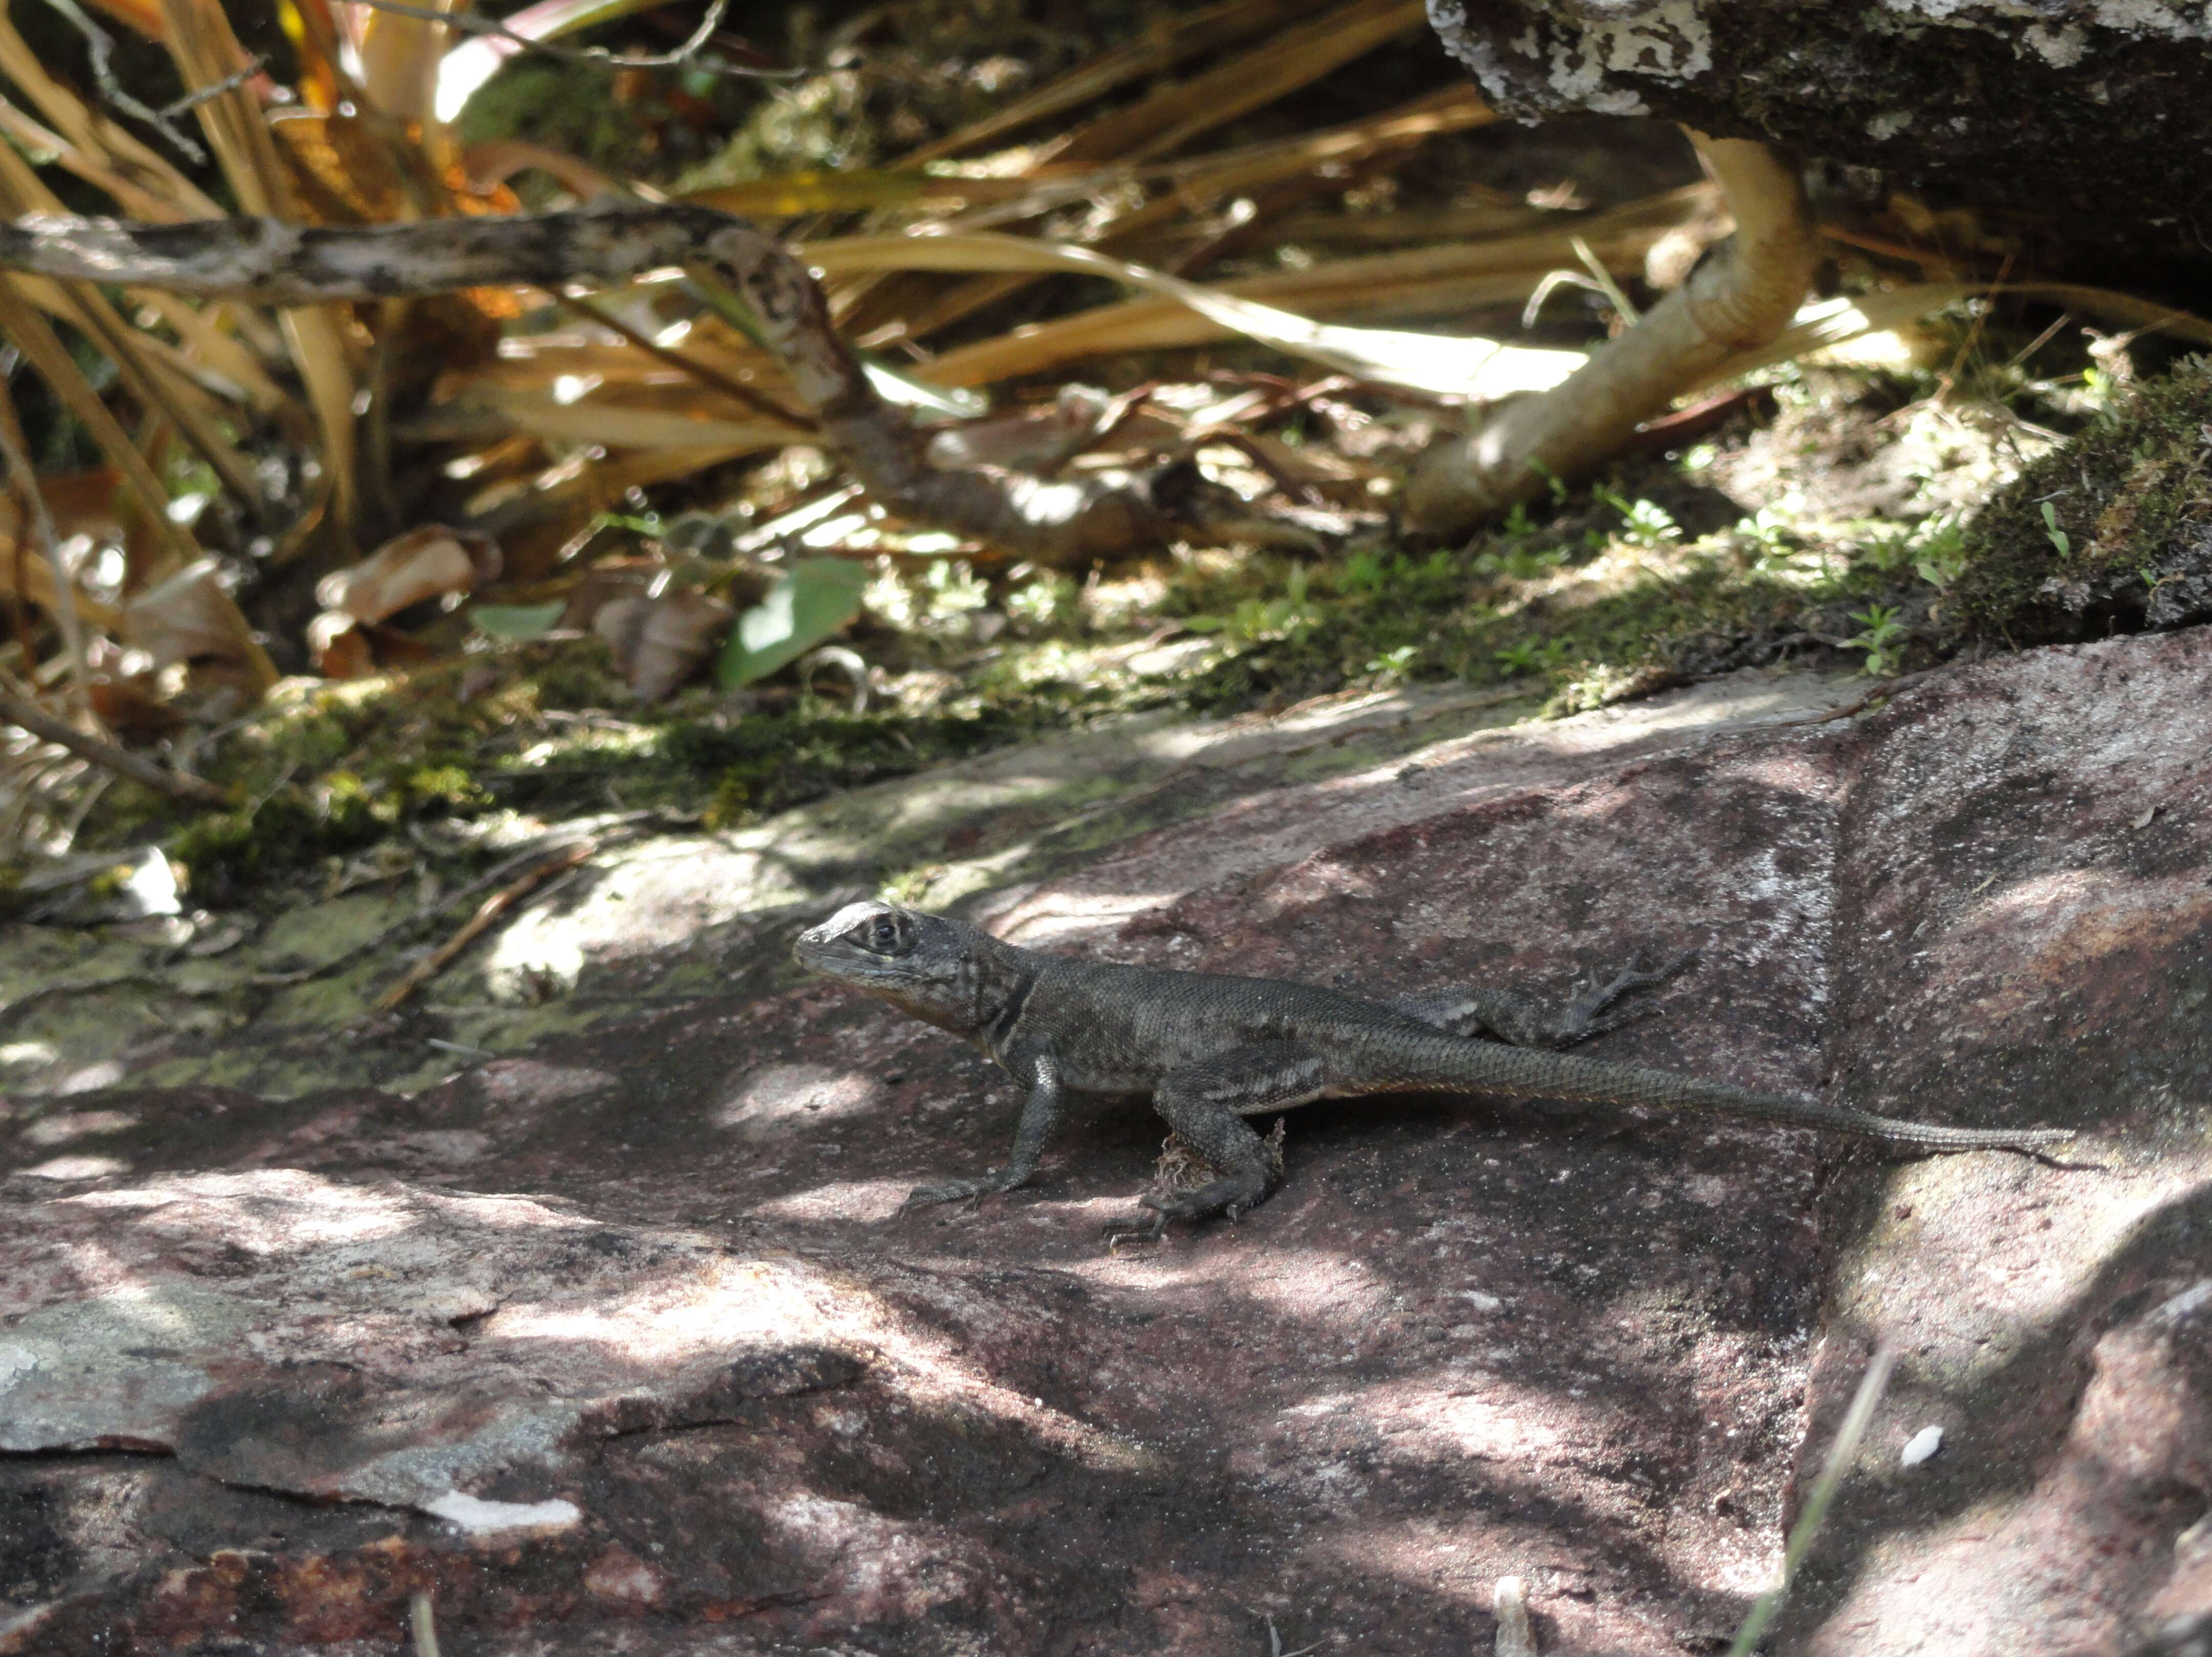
(621, 1345)
(2088, 110)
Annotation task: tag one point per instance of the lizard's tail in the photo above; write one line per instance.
(1459, 1064)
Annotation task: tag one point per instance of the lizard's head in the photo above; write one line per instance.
(930, 966)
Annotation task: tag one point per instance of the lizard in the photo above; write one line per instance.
(1211, 1050)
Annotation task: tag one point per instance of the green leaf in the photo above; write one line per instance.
(809, 602)
(518, 621)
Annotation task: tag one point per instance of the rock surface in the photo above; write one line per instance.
(619, 1344)
(2086, 109)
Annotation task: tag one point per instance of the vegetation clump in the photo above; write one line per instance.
(2111, 533)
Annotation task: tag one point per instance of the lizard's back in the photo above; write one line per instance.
(1118, 1029)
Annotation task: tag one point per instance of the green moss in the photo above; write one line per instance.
(2112, 531)
(764, 762)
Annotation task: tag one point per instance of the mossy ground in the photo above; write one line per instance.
(1832, 527)
(2113, 532)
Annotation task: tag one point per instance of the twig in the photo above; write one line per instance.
(468, 23)
(101, 46)
(760, 401)
(1882, 692)
(1065, 523)
(1731, 305)
(214, 89)
(423, 1624)
(177, 785)
(487, 912)
(1856, 1421)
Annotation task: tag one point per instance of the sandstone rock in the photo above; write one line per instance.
(621, 1344)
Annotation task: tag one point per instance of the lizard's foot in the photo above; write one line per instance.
(1233, 1197)
(1578, 1021)
(1139, 1228)
(958, 1191)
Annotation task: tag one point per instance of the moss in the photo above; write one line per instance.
(764, 762)
(2113, 531)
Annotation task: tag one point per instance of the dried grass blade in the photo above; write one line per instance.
(1427, 362)
(1171, 117)
(1834, 322)
(100, 139)
(150, 378)
(399, 60)
(1200, 182)
(35, 337)
(1156, 53)
(874, 188)
(208, 53)
(618, 427)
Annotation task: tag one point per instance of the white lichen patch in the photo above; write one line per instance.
(481, 1518)
(2062, 48)
(1671, 41)
(2192, 22)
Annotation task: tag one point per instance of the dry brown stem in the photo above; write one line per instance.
(1068, 523)
(1732, 304)
(490, 909)
(193, 791)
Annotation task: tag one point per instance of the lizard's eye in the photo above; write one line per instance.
(884, 934)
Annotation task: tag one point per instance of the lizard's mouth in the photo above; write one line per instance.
(821, 950)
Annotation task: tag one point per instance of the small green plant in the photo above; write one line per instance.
(1517, 521)
(1527, 656)
(1773, 528)
(2059, 538)
(1939, 549)
(1051, 600)
(1882, 640)
(1362, 574)
(1257, 619)
(1642, 522)
(1395, 664)
(1520, 563)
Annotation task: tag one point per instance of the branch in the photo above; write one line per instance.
(468, 23)
(99, 46)
(1063, 523)
(1731, 303)
(177, 785)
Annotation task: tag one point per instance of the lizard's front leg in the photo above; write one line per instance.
(1206, 1103)
(1512, 1016)
(1040, 1114)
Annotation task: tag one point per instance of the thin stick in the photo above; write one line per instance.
(467, 24)
(177, 785)
(487, 912)
(424, 1624)
(1856, 1420)
(758, 401)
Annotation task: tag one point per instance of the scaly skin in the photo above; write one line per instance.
(1210, 1051)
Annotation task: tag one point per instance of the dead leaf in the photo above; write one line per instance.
(129, 708)
(192, 619)
(660, 642)
(338, 647)
(428, 562)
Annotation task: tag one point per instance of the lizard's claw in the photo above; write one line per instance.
(1139, 1228)
(954, 1190)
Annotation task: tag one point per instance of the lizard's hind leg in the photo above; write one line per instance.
(1526, 1022)
(1206, 1104)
